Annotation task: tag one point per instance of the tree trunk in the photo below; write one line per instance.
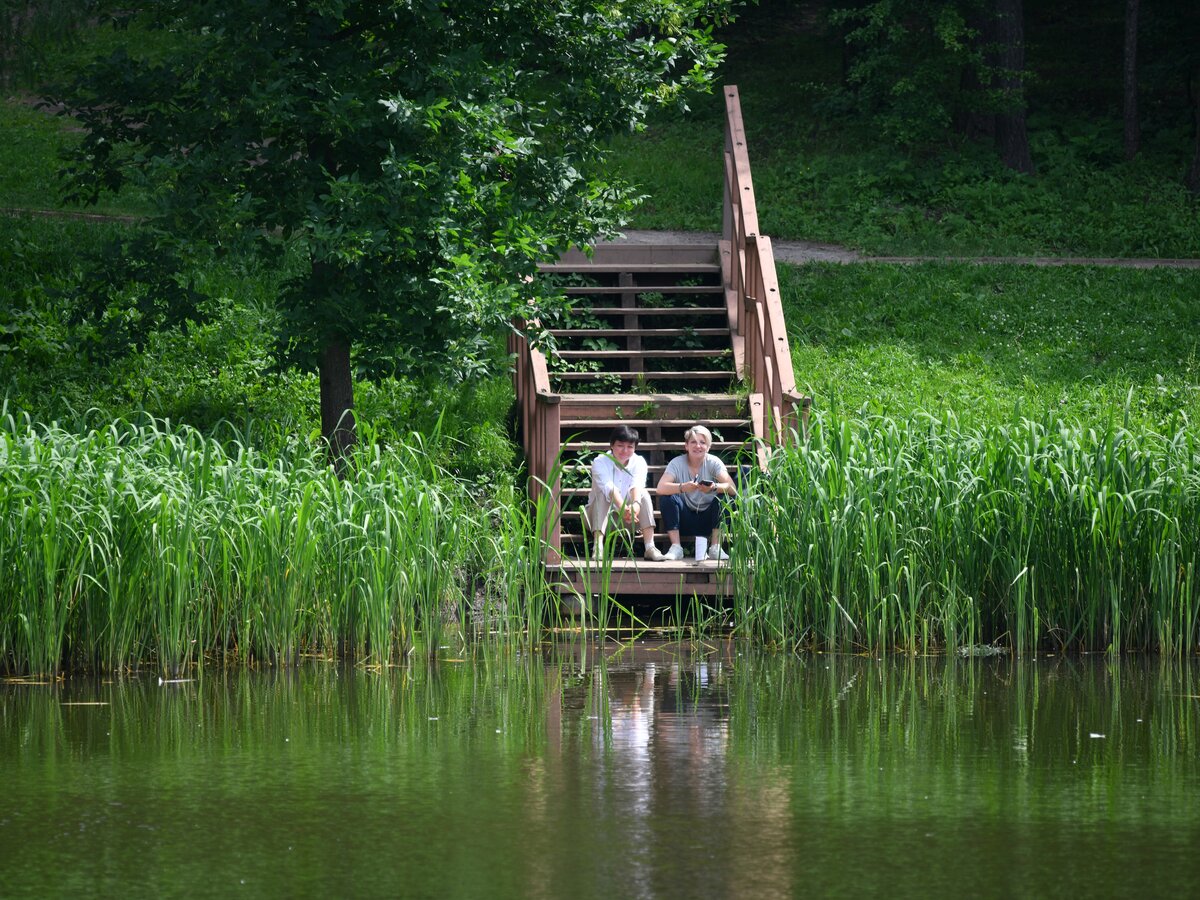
(1192, 179)
(1133, 128)
(337, 402)
(1011, 135)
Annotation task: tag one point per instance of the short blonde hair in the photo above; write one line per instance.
(698, 431)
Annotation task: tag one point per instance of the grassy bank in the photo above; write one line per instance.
(146, 545)
(916, 533)
(1088, 345)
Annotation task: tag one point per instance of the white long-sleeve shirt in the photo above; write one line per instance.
(607, 474)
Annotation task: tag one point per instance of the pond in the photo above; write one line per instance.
(637, 769)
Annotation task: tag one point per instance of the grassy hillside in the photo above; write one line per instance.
(823, 174)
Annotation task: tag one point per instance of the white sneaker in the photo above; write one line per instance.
(653, 554)
(674, 553)
(715, 552)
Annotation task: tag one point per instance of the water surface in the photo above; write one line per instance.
(617, 770)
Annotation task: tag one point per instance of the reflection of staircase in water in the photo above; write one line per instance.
(660, 337)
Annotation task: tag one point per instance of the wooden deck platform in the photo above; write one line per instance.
(706, 578)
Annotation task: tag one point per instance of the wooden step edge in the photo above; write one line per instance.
(690, 353)
(640, 332)
(691, 399)
(578, 290)
(717, 447)
(648, 376)
(632, 268)
(657, 310)
(567, 425)
(687, 565)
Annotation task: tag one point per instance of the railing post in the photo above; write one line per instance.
(551, 423)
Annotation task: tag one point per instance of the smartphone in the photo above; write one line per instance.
(705, 483)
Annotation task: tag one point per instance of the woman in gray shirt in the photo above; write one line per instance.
(692, 494)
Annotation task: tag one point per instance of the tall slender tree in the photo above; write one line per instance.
(1133, 126)
(1192, 179)
(1012, 136)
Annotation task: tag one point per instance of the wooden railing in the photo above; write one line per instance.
(752, 296)
(539, 410)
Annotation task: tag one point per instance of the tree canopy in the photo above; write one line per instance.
(415, 159)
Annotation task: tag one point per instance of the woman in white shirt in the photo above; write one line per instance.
(619, 482)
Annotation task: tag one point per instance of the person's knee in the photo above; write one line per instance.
(671, 507)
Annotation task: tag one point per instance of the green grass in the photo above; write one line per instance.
(882, 533)
(1089, 345)
(148, 545)
(31, 139)
(28, 155)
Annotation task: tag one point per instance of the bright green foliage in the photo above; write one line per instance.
(137, 544)
(418, 158)
(1087, 345)
(882, 533)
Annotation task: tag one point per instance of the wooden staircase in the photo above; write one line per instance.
(659, 337)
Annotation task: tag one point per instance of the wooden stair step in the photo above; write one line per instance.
(575, 290)
(609, 406)
(648, 376)
(651, 468)
(572, 514)
(632, 268)
(717, 448)
(640, 332)
(696, 398)
(573, 492)
(657, 310)
(567, 425)
(704, 579)
(690, 353)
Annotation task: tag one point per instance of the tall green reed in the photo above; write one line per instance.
(142, 543)
(879, 533)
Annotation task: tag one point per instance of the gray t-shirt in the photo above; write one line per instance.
(710, 470)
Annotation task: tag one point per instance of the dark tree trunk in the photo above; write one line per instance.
(337, 401)
(1133, 128)
(1011, 135)
(1192, 179)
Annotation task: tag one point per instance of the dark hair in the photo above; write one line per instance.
(624, 433)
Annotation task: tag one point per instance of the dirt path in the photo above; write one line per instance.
(67, 214)
(810, 251)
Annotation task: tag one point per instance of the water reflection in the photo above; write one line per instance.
(638, 769)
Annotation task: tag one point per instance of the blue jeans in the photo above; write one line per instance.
(678, 516)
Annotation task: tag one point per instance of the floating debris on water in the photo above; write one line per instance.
(980, 650)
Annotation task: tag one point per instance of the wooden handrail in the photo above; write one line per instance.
(753, 288)
(540, 435)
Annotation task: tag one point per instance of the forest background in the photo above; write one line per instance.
(871, 125)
